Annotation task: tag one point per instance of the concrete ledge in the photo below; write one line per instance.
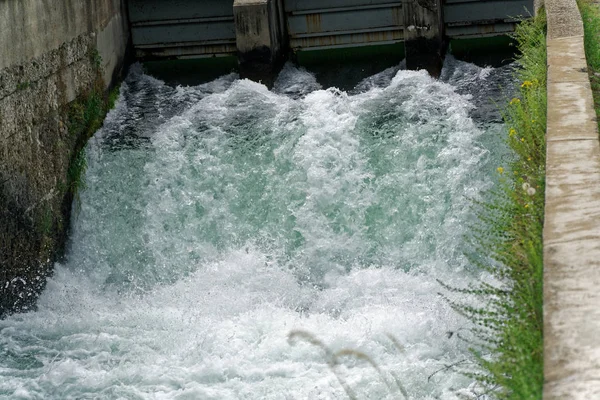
(572, 324)
(579, 390)
(572, 215)
(567, 56)
(563, 19)
(572, 192)
(571, 102)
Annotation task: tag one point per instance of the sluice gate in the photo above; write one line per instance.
(261, 32)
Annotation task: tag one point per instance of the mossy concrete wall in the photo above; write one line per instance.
(51, 53)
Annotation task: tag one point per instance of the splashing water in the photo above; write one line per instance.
(219, 218)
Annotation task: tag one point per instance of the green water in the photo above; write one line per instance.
(218, 218)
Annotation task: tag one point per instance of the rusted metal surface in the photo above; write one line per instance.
(182, 21)
(343, 23)
(313, 22)
(480, 30)
(160, 10)
(484, 18)
(472, 19)
(344, 20)
(313, 42)
(303, 5)
(185, 50)
(182, 28)
(186, 28)
(182, 32)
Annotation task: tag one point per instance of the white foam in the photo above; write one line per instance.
(251, 214)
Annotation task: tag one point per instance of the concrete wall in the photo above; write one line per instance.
(259, 38)
(48, 57)
(424, 42)
(572, 215)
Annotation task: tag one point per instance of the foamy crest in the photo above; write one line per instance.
(220, 218)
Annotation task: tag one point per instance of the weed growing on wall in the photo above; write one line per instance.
(24, 85)
(87, 113)
(95, 58)
(590, 13)
(76, 175)
(508, 335)
(85, 116)
(113, 96)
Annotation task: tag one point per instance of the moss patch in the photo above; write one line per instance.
(84, 117)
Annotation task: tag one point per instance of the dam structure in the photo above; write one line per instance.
(231, 235)
(224, 223)
(260, 32)
(62, 50)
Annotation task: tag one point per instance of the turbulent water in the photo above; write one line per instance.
(219, 218)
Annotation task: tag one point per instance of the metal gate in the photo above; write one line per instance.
(204, 28)
(182, 28)
(481, 18)
(323, 24)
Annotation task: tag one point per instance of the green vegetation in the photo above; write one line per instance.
(95, 58)
(47, 222)
(113, 96)
(508, 337)
(85, 116)
(76, 175)
(591, 26)
(335, 359)
(23, 85)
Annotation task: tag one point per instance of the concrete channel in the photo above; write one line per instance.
(57, 66)
(572, 215)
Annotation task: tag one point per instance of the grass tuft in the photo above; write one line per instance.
(334, 359)
(76, 176)
(590, 13)
(507, 341)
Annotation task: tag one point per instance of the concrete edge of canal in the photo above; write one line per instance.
(572, 215)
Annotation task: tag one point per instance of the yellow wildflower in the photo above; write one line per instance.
(522, 139)
(528, 158)
(526, 205)
(500, 170)
(512, 132)
(527, 84)
(514, 101)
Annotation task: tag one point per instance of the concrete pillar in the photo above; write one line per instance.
(260, 38)
(424, 41)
